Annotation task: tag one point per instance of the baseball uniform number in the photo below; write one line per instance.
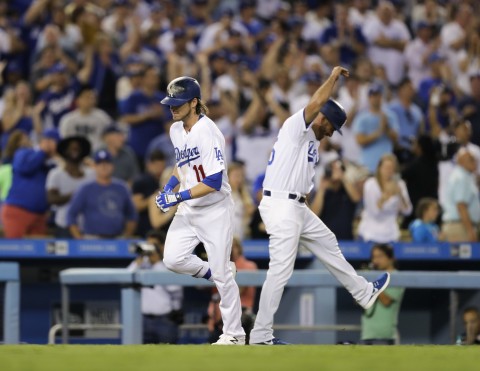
(199, 172)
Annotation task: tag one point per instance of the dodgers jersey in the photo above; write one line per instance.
(293, 158)
(198, 154)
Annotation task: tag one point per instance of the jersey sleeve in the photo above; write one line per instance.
(295, 125)
(211, 153)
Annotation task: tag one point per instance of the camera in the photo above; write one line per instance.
(144, 248)
(263, 84)
(329, 167)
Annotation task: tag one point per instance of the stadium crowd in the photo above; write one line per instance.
(85, 143)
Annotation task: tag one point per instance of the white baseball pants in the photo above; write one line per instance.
(211, 225)
(290, 223)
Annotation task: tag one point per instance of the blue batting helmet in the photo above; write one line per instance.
(335, 114)
(181, 90)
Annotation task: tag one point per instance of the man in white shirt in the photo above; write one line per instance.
(418, 51)
(387, 37)
(161, 305)
(454, 36)
(87, 120)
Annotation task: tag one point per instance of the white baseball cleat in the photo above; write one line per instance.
(230, 340)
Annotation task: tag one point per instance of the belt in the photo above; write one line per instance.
(157, 315)
(290, 196)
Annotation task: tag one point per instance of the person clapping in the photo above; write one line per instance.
(385, 196)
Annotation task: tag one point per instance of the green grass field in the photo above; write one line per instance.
(228, 358)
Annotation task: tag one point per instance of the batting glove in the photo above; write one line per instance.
(165, 200)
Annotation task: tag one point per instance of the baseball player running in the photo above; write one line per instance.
(289, 222)
(205, 213)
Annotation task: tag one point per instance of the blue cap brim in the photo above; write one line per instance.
(170, 101)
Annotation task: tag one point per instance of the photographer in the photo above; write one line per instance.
(336, 200)
(161, 305)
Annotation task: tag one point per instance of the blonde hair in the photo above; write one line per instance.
(201, 108)
(385, 157)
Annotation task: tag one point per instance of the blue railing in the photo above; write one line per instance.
(253, 249)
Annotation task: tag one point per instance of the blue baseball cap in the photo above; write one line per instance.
(425, 24)
(219, 54)
(102, 155)
(295, 21)
(156, 7)
(57, 68)
(179, 33)
(111, 129)
(51, 134)
(228, 12)
(335, 114)
(375, 88)
(435, 57)
(244, 4)
(133, 59)
(14, 67)
(122, 3)
(314, 77)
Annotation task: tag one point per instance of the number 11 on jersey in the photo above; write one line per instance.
(199, 172)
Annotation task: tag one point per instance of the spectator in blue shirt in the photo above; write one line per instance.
(58, 99)
(423, 229)
(105, 205)
(25, 210)
(410, 121)
(437, 64)
(376, 129)
(345, 35)
(144, 114)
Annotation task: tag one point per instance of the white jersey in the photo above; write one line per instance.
(293, 158)
(200, 153)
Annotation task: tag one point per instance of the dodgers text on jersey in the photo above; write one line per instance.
(184, 156)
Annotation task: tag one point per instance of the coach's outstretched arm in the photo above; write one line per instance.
(320, 97)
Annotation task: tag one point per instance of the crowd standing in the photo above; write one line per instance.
(78, 77)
